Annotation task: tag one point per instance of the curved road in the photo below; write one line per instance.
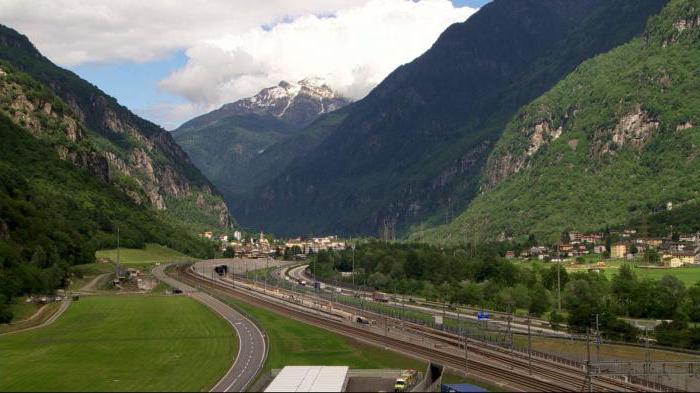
(251, 341)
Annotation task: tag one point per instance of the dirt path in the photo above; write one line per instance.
(61, 309)
(91, 286)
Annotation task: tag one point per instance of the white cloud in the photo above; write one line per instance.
(72, 32)
(230, 54)
(353, 50)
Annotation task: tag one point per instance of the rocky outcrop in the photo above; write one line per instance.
(685, 126)
(675, 24)
(541, 134)
(43, 119)
(511, 159)
(500, 166)
(634, 129)
(682, 25)
(173, 184)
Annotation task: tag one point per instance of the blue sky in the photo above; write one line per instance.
(135, 85)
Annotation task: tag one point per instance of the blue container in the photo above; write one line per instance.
(461, 387)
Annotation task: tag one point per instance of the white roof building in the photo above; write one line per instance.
(310, 379)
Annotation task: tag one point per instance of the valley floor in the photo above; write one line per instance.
(121, 343)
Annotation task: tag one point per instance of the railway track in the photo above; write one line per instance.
(494, 366)
(515, 358)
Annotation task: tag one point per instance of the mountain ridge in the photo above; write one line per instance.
(411, 151)
(601, 148)
(228, 144)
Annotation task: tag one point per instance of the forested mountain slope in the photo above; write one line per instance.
(412, 150)
(135, 151)
(55, 214)
(616, 140)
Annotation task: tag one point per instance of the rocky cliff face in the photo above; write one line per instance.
(97, 133)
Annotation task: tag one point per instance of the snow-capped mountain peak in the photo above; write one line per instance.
(300, 100)
(295, 103)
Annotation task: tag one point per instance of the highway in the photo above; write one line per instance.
(512, 371)
(251, 340)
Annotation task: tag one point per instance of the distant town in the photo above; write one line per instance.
(260, 246)
(673, 251)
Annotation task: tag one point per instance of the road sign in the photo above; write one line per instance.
(438, 319)
(483, 316)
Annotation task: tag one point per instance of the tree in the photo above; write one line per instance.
(229, 252)
(531, 240)
(539, 300)
(584, 298)
(5, 313)
(469, 293)
(651, 256)
(377, 280)
(565, 237)
(692, 307)
(624, 285)
(670, 294)
(549, 277)
(633, 249)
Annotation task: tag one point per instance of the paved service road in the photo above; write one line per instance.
(251, 348)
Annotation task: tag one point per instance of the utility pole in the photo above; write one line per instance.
(466, 353)
(353, 267)
(510, 332)
(444, 303)
(267, 261)
(529, 347)
(597, 340)
(588, 360)
(558, 279)
(118, 261)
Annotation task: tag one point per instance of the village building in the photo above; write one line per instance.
(618, 250)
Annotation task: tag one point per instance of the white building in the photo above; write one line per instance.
(310, 379)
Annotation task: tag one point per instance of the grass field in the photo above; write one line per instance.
(147, 256)
(37, 313)
(689, 275)
(121, 343)
(296, 343)
(22, 310)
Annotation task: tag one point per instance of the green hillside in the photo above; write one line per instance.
(54, 215)
(133, 154)
(614, 141)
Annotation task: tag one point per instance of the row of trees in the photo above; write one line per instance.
(481, 278)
